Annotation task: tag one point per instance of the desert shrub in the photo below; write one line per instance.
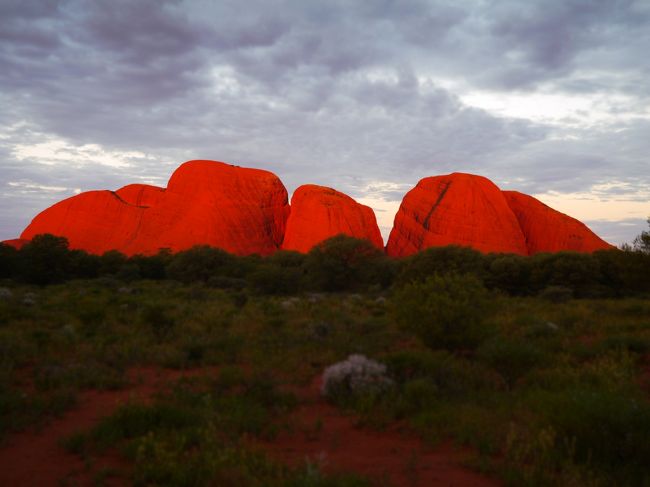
(625, 273)
(344, 263)
(642, 241)
(509, 273)
(576, 271)
(111, 262)
(82, 265)
(45, 260)
(451, 259)
(9, 264)
(272, 279)
(159, 319)
(626, 342)
(556, 294)
(444, 311)
(451, 376)
(153, 266)
(607, 430)
(279, 273)
(353, 377)
(201, 263)
(511, 358)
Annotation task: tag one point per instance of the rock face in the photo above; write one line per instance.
(141, 194)
(318, 212)
(245, 211)
(240, 210)
(460, 209)
(469, 210)
(548, 230)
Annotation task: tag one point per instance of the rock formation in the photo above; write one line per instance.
(469, 210)
(240, 210)
(548, 230)
(460, 209)
(318, 212)
(245, 211)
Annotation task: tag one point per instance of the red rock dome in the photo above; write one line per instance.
(240, 210)
(548, 230)
(245, 211)
(458, 208)
(318, 212)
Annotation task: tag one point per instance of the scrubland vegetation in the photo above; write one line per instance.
(540, 364)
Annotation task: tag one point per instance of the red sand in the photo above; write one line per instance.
(324, 436)
(36, 458)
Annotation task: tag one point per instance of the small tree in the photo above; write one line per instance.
(45, 260)
(642, 242)
(341, 263)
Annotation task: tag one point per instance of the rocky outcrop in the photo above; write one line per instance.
(245, 211)
(458, 208)
(95, 221)
(240, 210)
(318, 212)
(548, 230)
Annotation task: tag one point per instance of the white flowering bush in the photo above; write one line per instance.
(355, 376)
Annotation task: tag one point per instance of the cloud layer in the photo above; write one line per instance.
(549, 97)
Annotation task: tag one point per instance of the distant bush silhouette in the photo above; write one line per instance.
(342, 263)
(45, 260)
(442, 260)
(201, 263)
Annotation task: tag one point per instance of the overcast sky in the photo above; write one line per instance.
(551, 98)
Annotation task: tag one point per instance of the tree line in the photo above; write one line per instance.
(342, 263)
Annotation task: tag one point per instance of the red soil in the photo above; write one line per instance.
(36, 458)
(324, 436)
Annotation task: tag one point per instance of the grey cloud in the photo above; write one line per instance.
(324, 92)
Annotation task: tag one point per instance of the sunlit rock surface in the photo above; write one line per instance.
(240, 210)
(458, 208)
(318, 213)
(548, 230)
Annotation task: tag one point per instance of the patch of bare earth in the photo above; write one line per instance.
(323, 435)
(37, 458)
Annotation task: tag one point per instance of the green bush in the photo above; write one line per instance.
(45, 260)
(556, 294)
(606, 430)
(344, 263)
(8, 261)
(451, 259)
(511, 358)
(201, 263)
(444, 311)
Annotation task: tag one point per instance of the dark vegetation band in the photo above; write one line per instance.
(340, 263)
